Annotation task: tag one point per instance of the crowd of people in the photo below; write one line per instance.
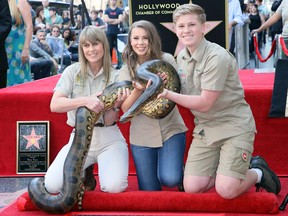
(220, 155)
(46, 17)
(57, 33)
(254, 13)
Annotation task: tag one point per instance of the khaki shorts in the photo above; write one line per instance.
(229, 157)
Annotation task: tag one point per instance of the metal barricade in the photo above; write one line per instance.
(279, 53)
(242, 45)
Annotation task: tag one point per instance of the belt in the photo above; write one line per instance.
(99, 125)
(103, 125)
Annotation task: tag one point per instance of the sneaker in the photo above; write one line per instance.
(269, 181)
(89, 181)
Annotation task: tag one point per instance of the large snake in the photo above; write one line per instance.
(148, 103)
(73, 188)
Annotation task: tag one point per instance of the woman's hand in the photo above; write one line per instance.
(254, 31)
(122, 94)
(25, 56)
(94, 103)
(163, 76)
(111, 116)
(138, 86)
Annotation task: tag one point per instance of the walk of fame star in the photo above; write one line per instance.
(33, 139)
(210, 25)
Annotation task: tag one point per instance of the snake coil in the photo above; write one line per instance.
(73, 188)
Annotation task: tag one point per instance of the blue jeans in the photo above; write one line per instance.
(163, 166)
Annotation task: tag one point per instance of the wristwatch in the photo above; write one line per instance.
(116, 109)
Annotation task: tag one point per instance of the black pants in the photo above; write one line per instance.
(66, 60)
(112, 39)
(3, 78)
(41, 68)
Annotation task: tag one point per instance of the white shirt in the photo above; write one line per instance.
(234, 14)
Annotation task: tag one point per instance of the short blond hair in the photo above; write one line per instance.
(189, 9)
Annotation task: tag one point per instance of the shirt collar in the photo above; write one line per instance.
(198, 53)
(98, 74)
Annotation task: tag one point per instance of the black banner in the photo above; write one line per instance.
(159, 12)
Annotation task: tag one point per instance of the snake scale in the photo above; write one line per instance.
(148, 103)
(72, 191)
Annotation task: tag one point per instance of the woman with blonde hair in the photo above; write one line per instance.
(18, 41)
(79, 85)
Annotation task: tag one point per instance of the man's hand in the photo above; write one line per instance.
(163, 94)
(43, 42)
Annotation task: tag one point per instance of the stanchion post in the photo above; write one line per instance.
(256, 61)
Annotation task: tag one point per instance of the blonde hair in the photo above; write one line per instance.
(15, 13)
(94, 35)
(189, 9)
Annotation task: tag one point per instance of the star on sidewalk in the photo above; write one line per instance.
(33, 139)
(210, 25)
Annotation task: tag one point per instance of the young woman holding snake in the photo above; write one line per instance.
(78, 86)
(221, 152)
(157, 146)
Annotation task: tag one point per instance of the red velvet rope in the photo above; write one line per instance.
(257, 49)
(284, 48)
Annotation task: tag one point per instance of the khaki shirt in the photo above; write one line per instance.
(71, 85)
(211, 67)
(148, 132)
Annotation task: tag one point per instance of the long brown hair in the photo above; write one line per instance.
(130, 57)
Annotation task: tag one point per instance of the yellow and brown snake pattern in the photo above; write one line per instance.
(72, 191)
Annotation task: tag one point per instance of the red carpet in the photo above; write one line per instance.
(164, 202)
(30, 102)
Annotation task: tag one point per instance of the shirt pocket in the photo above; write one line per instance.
(197, 79)
(79, 91)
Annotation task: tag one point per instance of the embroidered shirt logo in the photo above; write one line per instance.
(244, 156)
